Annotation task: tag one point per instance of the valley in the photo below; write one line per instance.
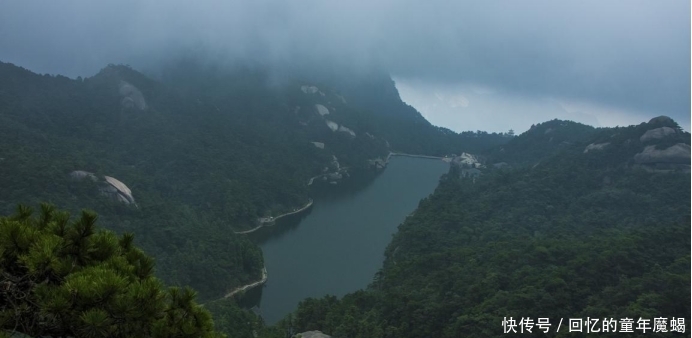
(218, 167)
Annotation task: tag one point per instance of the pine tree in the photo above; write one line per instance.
(61, 278)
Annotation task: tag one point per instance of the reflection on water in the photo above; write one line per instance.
(337, 246)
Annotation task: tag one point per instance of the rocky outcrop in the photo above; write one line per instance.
(347, 130)
(312, 334)
(678, 154)
(318, 145)
(466, 160)
(110, 186)
(81, 174)
(332, 125)
(122, 193)
(595, 146)
(309, 89)
(132, 97)
(656, 134)
(322, 110)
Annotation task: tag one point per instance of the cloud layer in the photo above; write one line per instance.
(630, 54)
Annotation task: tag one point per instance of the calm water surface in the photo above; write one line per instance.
(339, 245)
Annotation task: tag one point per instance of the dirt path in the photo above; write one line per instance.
(249, 286)
(265, 220)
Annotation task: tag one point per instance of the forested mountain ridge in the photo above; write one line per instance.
(599, 228)
(542, 140)
(203, 151)
(546, 139)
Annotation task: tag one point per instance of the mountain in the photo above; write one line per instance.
(188, 156)
(563, 221)
(596, 225)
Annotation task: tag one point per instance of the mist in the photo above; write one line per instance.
(603, 62)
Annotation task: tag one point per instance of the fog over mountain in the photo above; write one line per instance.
(466, 65)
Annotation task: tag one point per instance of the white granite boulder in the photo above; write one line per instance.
(658, 133)
(679, 153)
(322, 110)
(347, 130)
(312, 334)
(332, 125)
(111, 187)
(131, 96)
(595, 146)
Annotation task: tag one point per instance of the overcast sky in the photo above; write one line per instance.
(466, 65)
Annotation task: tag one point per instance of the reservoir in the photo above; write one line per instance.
(338, 246)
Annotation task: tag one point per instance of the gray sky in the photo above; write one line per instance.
(466, 65)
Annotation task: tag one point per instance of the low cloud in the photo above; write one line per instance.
(633, 55)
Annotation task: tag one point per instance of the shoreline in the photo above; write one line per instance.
(391, 153)
(248, 286)
(263, 221)
(268, 220)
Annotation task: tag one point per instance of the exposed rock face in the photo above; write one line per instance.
(332, 125)
(466, 160)
(347, 130)
(312, 334)
(658, 133)
(124, 194)
(112, 187)
(679, 153)
(595, 146)
(132, 97)
(318, 145)
(309, 89)
(322, 110)
(81, 174)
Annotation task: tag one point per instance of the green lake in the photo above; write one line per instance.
(338, 245)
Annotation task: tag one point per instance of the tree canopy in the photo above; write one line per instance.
(67, 278)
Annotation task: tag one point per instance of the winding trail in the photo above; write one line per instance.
(249, 286)
(268, 220)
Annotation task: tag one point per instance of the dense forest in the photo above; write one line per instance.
(187, 156)
(566, 229)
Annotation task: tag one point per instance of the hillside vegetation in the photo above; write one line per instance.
(596, 233)
(197, 152)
